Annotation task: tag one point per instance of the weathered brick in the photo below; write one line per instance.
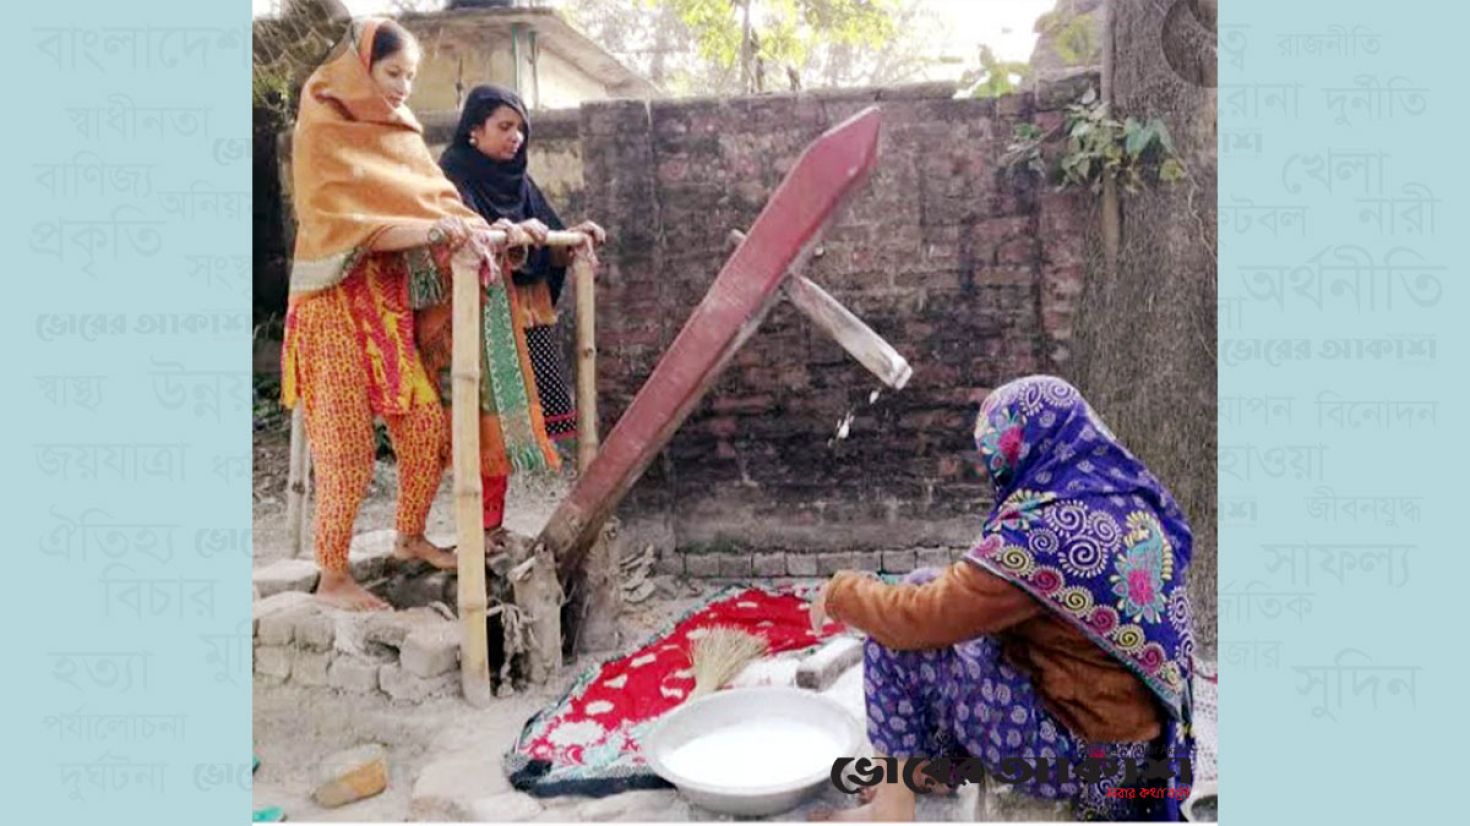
(399, 684)
(391, 628)
(898, 562)
(358, 675)
(867, 560)
(275, 604)
(702, 565)
(801, 564)
(822, 668)
(830, 563)
(309, 667)
(770, 564)
(1014, 105)
(429, 652)
(273, 662)
(735, 565)
(351, 775)
(279, 627)
(669, 562)
(285, 575)
(932, 558)
(314, 630)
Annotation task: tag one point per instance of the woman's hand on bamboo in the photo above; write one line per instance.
(536, 229)
(451, 230)
(515, 234)
(596, 235)
(593, 236)
(517, 245)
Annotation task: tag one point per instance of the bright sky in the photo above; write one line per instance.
(1004, 25)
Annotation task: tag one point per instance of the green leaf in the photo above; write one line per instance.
(1137, 138)
(1171, 170)
(1164, 137)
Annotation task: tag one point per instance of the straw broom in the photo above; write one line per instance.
(720, 655)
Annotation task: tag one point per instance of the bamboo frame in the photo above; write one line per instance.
(597, 592)
(297, 482)
(582, 276)
(474, 655)
(468, 502)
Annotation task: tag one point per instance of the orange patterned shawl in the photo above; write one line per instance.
(358, 166)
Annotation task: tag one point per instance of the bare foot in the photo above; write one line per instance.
(417, 547)
(340, 590)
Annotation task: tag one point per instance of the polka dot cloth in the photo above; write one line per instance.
(966, 700)
(551, 382)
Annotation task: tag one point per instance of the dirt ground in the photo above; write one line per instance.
(530, 501)
(295, 728)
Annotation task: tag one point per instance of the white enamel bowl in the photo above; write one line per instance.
(766, 705)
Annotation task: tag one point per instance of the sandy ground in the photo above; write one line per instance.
(295, 728)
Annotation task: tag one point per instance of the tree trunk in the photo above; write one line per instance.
(747, 54)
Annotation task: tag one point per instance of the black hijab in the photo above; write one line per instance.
(501, 189)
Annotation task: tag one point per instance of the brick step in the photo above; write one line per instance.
(408, 655)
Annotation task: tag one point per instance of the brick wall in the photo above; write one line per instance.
(971, 272)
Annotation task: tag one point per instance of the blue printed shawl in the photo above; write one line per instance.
(1083, 526)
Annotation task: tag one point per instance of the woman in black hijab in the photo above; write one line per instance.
(486, 160)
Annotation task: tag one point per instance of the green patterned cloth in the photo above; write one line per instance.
(502, 382)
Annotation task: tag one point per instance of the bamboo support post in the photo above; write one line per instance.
(596, 595)
(468, 506)
(582, 279)
(468, 502)
(305, 519)
(297, 482)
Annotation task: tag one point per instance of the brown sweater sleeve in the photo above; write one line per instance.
(961, 604)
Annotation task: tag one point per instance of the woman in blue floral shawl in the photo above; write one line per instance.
(1063, 634)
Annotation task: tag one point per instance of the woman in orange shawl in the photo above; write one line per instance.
(379, 232)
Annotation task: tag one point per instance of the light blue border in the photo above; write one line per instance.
(1340, 412)
(127, 429)
(126, 352)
